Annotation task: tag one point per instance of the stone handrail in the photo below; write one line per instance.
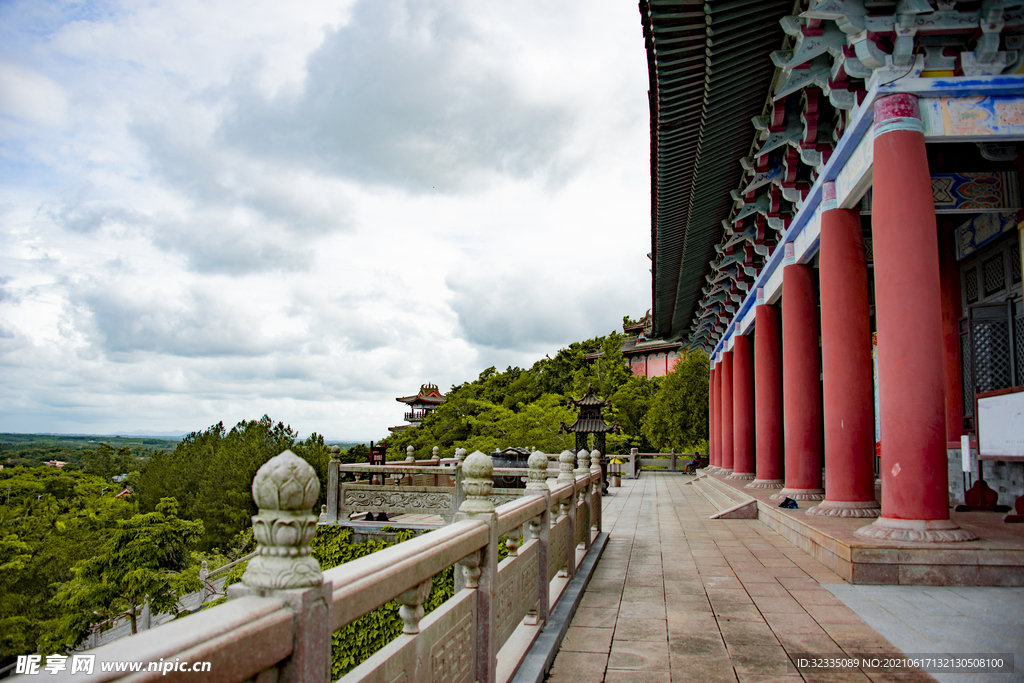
(277, 622)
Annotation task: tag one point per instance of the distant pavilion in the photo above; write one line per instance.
(420, 405)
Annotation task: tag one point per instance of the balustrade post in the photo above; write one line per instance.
(566, 505)
(332, 485)
(595, 466)
(204, 577)
(565, 461)
(540, 529)
(634, 456)
(583, 497)
(480, 570)
(285, 490)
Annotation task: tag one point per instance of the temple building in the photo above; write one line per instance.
(420, 405)
(835, 196)
(646, 355)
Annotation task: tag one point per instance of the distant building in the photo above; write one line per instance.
(55, 463)
(646, 355)
(420, 405)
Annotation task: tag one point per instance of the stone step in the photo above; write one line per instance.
(730, 492)
(719, 500)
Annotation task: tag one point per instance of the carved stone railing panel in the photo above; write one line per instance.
(517, 590)
(409, 500)
(558, 547)
(442, 651)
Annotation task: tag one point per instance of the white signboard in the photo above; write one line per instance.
(1001, 425)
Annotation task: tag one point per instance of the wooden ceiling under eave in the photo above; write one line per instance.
(710, 73)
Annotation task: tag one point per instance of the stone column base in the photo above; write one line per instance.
(724, 471)
(922, 530)
(742, 476)
(842, 508)
(711, 469)
(765, 484)
(799, 494)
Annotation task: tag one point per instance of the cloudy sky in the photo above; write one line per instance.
(211, 210)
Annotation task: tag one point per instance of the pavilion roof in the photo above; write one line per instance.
(428, 393)
(710, 73)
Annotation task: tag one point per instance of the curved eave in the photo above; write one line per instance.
(710, 73)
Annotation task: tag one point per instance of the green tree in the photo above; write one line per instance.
(145, 559)
(678, 413)
(605, 373)
(630, 405)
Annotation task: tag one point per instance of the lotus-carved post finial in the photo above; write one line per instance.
(285, 490)
(595, 459)
(435, 453)
(460, 454)
(538, 474)
(582, 462)
(410, 453)
(477, 484)
(565, 461)
(335, 454)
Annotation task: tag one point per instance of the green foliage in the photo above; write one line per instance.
(145, 559)
(50, 519)
(605, 373)
(210, 474)
(678, 413)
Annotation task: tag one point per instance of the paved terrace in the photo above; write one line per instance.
(679, 597)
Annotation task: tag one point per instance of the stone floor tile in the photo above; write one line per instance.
(803, 624)
(639, 655)
(747, 634)
(737, 612)
(575, 667)
(697, 644)
(595, 617)
(764, 660)
(777, 604)
(644, 593)
(623, 676)
(600, 599)
(687, 669)
(773, 589)
(587, 639)
(628, 628)
(643, 610)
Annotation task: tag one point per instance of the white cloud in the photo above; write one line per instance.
(30, 97)
(218, 210)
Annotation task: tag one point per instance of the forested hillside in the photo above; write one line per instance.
(526, 407)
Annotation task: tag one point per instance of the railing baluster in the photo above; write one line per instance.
(540, 529)
(285, 489)
(481, 572)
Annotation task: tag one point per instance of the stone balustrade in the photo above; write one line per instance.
(408, 488)
(276, 624)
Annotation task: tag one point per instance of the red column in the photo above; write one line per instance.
(718, 417)
(801, 385)
(846, 352)
(742, 408)
(727, 416)
(768, 391)
(908, 309)
(949, 271)
(712, 441)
